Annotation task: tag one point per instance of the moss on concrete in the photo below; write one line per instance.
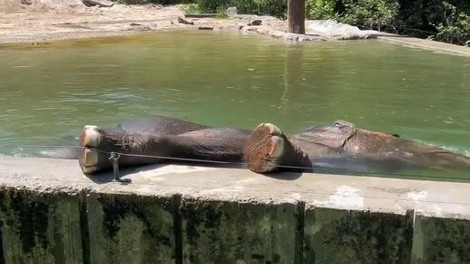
(343, 236)
(32, 221)
(238, 232)
(39, 227)
(441, 240)
(2, 258)
(224, 216)
(130, 229)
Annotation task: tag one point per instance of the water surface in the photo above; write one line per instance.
(225, 79)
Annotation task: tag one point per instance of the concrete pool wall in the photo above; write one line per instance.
(51, 213)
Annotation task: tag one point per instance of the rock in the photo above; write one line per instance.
(231, 11)
(467, 43)
(250, 28)
(201, 15)
(206, 28)
(185, 21)
(90, 3)
(26, 2)
(256, 22)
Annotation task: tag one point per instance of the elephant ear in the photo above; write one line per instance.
(334, 135)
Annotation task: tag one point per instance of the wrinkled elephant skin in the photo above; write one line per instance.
(337, 145)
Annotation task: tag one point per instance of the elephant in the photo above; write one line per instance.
(263, 150)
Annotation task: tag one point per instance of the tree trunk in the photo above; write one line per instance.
(296, 16)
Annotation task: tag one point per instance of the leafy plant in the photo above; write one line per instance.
(190, 8)
(371, 14)
(455, 28)
(210, 6)
(221, 11)
(321, 9)
(443, 20)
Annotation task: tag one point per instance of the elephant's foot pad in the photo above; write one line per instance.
(92, 159)
(268, 149)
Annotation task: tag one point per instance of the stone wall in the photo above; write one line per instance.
(51, 213)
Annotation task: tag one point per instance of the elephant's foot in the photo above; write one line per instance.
(268, 150)
(92, 158)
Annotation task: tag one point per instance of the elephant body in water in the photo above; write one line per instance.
(339, 145)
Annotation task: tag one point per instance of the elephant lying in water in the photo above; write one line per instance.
(264, 149)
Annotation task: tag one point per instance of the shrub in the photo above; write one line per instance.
(321, 9)
(454, 29)
(221, 12)
(277, 8)
(258, 7)
(210, 6)
(444, 20)
(370, 14)
(190, 8)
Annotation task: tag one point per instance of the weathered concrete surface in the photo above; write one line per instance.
(441, 240)
(334, 236)
(40, 227)
(232, 232)
(428, 44)
(130, 229)
(51, 213)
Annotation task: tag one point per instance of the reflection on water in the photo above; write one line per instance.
(226, 79)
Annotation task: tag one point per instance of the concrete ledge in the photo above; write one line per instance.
(428, 44)
(51, 213)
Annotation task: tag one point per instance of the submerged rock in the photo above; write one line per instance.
(185, 21)
(256, 22)
(206, 28)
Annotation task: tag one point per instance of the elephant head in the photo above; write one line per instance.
(342, 136)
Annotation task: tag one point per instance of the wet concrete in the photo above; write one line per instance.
(51, 213)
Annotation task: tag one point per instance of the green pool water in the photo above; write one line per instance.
(227, 79)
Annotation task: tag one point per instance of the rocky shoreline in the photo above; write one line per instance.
(42, 21)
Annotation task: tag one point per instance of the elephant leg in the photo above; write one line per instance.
(97, 144)
(208, 146)
(268, 150)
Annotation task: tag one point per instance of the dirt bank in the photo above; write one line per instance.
(46, 20)
(42, 21)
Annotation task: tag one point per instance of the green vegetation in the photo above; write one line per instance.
(370, 14)
(222, 11)
(321, 9)
(191, 8)
(258, 7)
(443, 20)
(194, 8)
